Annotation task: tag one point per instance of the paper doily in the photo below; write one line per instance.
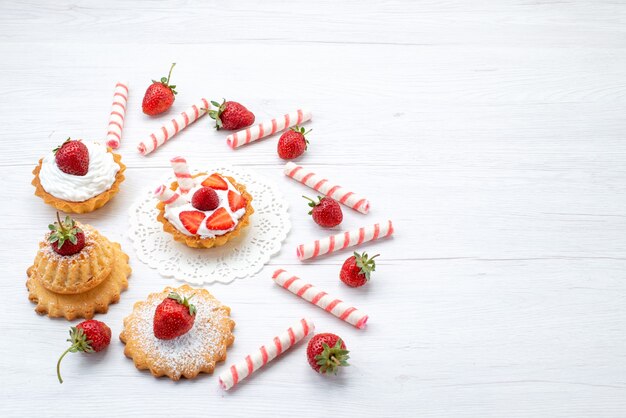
(243, 256)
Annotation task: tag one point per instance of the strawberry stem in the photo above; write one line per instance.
(170, 73)
(59, 363)
(60, 223)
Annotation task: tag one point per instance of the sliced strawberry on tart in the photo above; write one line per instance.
(210, 213)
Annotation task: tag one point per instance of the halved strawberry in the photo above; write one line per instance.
(220, 220)
(215, 181)
(191, 219)
(236, 201)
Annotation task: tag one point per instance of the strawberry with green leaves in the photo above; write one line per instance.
(326, 211)
(173, 317)
(326, 353)
(293, 143)
(231, 115)
(87, 337)
(65, 237)
(356, 270)
(159, 96)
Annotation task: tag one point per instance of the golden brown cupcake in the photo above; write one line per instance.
(211, 213)
(194, 329)
(77, 272)
(78, 176)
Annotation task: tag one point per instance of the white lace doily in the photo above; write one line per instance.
(239, 258)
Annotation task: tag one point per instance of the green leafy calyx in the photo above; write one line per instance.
(215, 114)
(365, 263)
(183, 301)
(313, 203)
(79, 341)
(62, 231)
(331, 358)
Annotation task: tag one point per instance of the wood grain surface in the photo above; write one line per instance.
(490, 132)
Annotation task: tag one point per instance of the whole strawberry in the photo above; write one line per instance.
(173, 317)
(326, 353)
(87, 337)
(72, 157)
(66, 238)
(231, 115)
(293, 143)
(159, 96)
(205, 198)
(326, 211)
(356, 270)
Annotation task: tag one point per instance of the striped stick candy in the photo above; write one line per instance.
(118, 113)
(326, 187)
(267, 128)
(308, 292)
(166, 195)
(253, 362)
(183, 176)
(171, 128)
(343, 240)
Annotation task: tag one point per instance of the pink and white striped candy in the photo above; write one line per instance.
(326, 187)
(267, 128)
(183, 176)
(118, 113)
(171, 128)
(310, 293)
(268, 352)
(167, 196)
(343, 240)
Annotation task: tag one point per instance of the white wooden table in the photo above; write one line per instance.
(491, 132)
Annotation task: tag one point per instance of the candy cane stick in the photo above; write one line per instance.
(118, 112)
(166, 195)
(310, 293)
(281, 343)
(344, 240)
(267, 128)
(324, 186)
(181, 171)
(171, 128)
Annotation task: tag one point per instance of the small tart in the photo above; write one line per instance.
(76, 273)
(85, 206)
(192, 353)
(196, 241)
(86, 304)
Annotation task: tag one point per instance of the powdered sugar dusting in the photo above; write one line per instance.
(194, 350)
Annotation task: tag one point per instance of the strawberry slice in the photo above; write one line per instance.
(236, 201)
(220, 220)
(191, 219)
(215, 181)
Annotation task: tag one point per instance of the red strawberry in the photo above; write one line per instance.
(292, 143)
(205, 199)
(236, 201)
(191, 219)
(215, 181)
(220, 220)
(159, 96)
(326, 211)
(231, 115)
(66, 238)
(87, 337)
(72, 157)
(326, 353)
(356, 270)
(173, 317)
